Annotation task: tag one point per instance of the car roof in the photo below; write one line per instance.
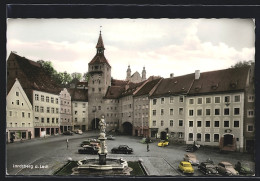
(226, 163)
(185, 162)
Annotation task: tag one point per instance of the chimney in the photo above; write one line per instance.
(171, 75)
(197, 74)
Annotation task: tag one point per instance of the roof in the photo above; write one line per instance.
(147, 87)
(115, 82)
(226, 80)
(114, 92)
(173, 86)
(34, 76)
(130, 88)
(79, 94)
(100, 43)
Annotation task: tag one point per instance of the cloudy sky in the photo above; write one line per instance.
(163, 46)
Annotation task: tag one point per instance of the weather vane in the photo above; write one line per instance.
(100, 29)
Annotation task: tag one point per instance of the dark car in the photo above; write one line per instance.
(192, 148)
(88, 150)
(85, 142)
(243, 168)
(68, 133)
(208, 168)
(122, 149)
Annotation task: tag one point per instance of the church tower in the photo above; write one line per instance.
(128, 73)
(143, 74)
(99, 80)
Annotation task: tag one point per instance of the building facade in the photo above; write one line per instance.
(65, 111)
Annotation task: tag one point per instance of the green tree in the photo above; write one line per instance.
(86, 77)
(242, 64)
(76, 75)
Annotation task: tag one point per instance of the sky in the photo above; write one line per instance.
(162, 46)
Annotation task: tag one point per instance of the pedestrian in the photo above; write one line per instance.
(67, 143)
(148, 147)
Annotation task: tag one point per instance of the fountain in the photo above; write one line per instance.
(102, 165)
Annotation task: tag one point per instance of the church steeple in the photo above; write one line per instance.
(100, 45)
(143, 74)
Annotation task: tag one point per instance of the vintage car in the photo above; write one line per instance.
(186, 167)
(78, 131)
(191, 158)
(163, 143)
(227, 169)
(122, 149)
(208, 168)
(88, 150)
(243, 168)
(68, 133)
(85, 142)
(110, 137)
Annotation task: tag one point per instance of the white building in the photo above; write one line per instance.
(65, 111)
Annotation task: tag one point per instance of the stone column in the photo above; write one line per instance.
(102, 137)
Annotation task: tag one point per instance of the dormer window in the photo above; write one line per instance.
(96, 67)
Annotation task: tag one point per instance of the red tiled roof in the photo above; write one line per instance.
(115, 82)
(99, 59)
(226, 80)
(79, 94)
(114, 92)
(100, 43)
(147, 87)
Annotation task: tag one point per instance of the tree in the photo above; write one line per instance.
(86, 76)
(242, 64)
(76, 75)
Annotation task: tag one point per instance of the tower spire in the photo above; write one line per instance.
(100, 45)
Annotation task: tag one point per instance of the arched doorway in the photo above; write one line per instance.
(95, 124)
(163, 135)
(127, 128)
(228, 139)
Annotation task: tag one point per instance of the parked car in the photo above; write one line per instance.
(68, 133)
(88, 150)
(110, 137)
(78, 131)
(145, 140)
(85, 142)
(186, 167)
(243, 168)
(208, 168)
(163, 143)
(191, 158)
(95, 145)
(122, 149)
(227, 169)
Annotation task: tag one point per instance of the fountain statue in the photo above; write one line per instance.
(103, 165)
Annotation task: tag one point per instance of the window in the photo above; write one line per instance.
(36, 97)
(216, 137)
(93, 89)
(154, 123)
(226, 111)
(236, 124)
(57, 101)
(76, 119)
(23, 114)
(171, 111)
(199, 112)
(47, 99)
(207, 137)
(84, 105)
(52, 120)
(237, 98)
(180, 135)
(17, 102)
(199, 101)
(162, 100)
(154, 112)
(171, 122)
(83, 119)
(48, 120)
(42, 98)
(162, 111)
(10, 113)
(250, 113)
(76, 104)
(251, 98)
(29, 115)
(181, 99)
(236, 111)
(180, 122)
(162, 122)
(57, 110)
(17, 93)
(198, 123)
(190, 123)
(57, 120)
(52, 100)
(48, 109)
(154, 101)
(250, 128)
(190, 136)
(99, 89)
(208, 100)
(217, 111)
(99, 107)
(36, 108)
(198, 136)
(75, 112)
(226, 124)
(191, 112)
(207, 124)
(191, 101)
(180, 111)
(216, 124)
(52, 110)
(42, 120)
(207, 112)
(41, 109)
(227, 98)
(217, 99)
(171, 99)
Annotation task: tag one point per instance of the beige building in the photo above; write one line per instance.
(65, 111)
(19, 114)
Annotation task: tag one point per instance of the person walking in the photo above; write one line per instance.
(67, 143)
(148, 147)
